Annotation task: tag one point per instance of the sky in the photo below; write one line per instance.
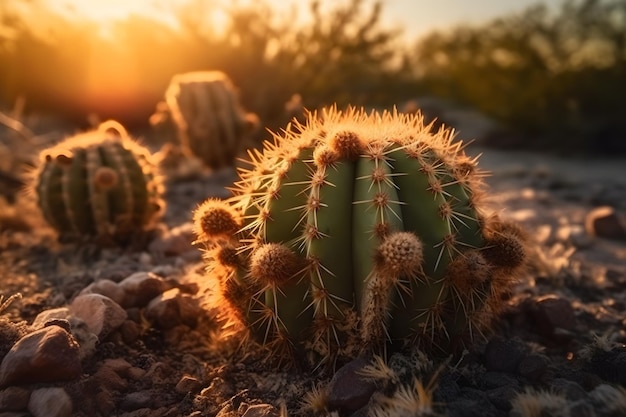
(417, 17)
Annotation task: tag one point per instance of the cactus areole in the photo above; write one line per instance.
(359, 231)
(99, 185)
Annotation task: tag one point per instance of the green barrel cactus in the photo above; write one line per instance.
(98, 185)
(212, 125)
(359, 231)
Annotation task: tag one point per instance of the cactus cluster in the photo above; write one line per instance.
(98, 185)
(212, 125)
(359, 231)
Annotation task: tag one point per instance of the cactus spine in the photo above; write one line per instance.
(211, 123)
(99, 184)
(356, 230)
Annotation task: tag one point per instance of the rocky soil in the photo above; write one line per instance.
(87, 331)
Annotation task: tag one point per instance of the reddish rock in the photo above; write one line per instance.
(348, 390)
(46, 355)
(141, 287)
(14, 399)
(554, 316)
(604, 222)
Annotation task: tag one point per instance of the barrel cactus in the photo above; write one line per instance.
(212, 125)
(98, 185)
(359, 231)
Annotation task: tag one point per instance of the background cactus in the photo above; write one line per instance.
(211, 123)
(355, 230)
(98, 184)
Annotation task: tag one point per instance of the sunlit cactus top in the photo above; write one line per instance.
(99, 185)
(355, 231)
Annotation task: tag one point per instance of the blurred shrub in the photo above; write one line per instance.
(559, 79)
(340, 54)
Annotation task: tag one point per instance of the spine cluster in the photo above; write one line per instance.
(357, 230)
(211, 122)
(98, 184)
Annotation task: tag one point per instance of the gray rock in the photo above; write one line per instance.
(46, 355)
(50, 402)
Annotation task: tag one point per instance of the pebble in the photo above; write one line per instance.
(533, 366)
(45, 355)
(141, 287)
(107, 288)
(503, 355)
(611, 365)
(101, 314)
(261, 410)
(51, 314)
(604, 222)
(50, 402)
(570, 389)
(188, 384)
(175, 242)
(173, 308)
(581, 409)
(348, 390)
(553, 316)
(14, 399)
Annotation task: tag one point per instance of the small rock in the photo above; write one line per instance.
(50, 402)
(501, 397)
(130, 331)
(188, 384)
(261, 410)
(503, 355)
(85, 338)
(141, 287)
(533, 366)
(46, 355)
(175, 243)
(608, 400)
(173, 308)
(570, 389)
(581, 409)
(107, 288)
(14, 399)
(494, 379)
(604, 222)
(554, 316)
(101, 314)
(611, 365)
(107, 377)
(51, 314)
(136, 400)
(348, 391)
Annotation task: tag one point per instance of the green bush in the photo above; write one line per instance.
(557, 78)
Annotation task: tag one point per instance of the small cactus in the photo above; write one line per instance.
(211, 123)
(99, 184)
(357, 231)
